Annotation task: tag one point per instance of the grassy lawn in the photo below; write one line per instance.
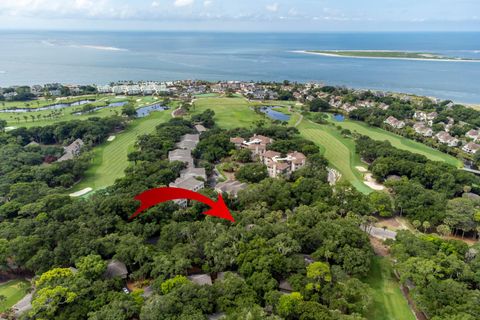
(388, 300)
(229, 112)
(399, 141)
(339, 151)
(110, 160)
(14, 291)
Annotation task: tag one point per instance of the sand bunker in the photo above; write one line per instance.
(372, 183)
(111, 138)
(361, 169)
(81, 192)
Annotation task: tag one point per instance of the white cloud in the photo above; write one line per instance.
(183, 3)
(65, 9)
(155, 4)
(207, 3)
(272, 7)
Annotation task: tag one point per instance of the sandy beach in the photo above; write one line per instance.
(382, 58)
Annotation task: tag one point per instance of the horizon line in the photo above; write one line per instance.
(235, 31)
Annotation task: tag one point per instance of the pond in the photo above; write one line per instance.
(145, 111)
(113, 104)
(50, 107)
(273, 114)
(339, 117)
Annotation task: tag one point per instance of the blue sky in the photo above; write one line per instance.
(242, 15)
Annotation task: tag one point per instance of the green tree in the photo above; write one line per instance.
(381, 204)
(252, 172)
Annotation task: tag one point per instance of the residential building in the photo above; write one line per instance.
(422, 129)
(278, 166)
(200, 129)
(446, 138)
(230, 187)
(394, 122)
(201, 279)
(257, 144)
(181, 155)
(189, 183)
(72, 150)
(116, 268)
(198, 173)
(189, 141)
(237, 141)
(473, 134)
(471, 148)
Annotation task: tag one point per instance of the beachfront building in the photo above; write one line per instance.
(394, 122)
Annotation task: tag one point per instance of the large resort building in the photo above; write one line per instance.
(276, 164)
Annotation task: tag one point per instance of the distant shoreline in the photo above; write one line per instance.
(333, 54)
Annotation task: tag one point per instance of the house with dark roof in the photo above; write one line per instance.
(189, 183)
(181, 155)
(201, 279)
(189, 141)
(231, 187)
(115, 269)
(72, 150)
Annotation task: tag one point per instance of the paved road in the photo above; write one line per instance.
(381, 233)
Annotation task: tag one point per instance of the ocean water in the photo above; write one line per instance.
(102, 57)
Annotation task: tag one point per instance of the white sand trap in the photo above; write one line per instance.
(138, 100)
(10, 128)
(361, 169)
(111, 138)
(372, 183)
(81, 192)
(155, 98)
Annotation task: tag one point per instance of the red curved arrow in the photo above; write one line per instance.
(153, 197)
